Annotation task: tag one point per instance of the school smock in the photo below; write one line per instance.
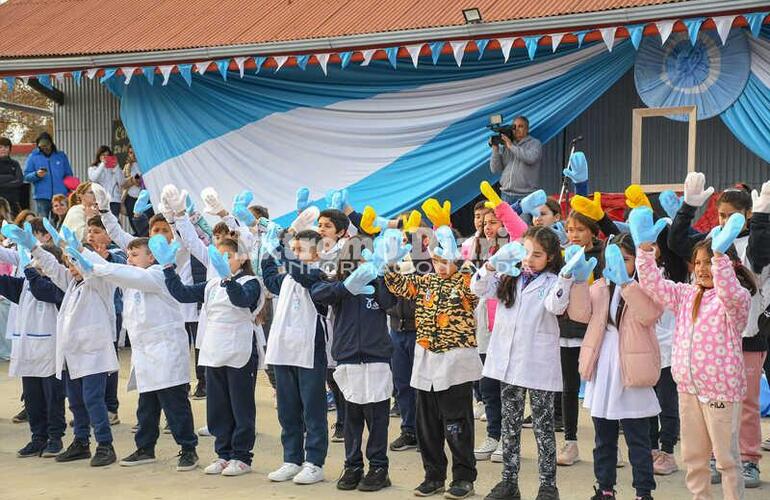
(85, 327)
(605, 395)
(11, 256)
(160, 352)
(524, 347)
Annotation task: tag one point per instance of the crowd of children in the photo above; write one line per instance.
(663, 323)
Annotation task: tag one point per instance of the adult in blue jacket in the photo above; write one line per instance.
(46, 169)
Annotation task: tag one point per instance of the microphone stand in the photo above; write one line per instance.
(564, 189)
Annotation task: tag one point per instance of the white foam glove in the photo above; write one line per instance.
(211, 203)
(173, 199)
(695, 193)
(306, 219)
(102, 196)
(762, 199)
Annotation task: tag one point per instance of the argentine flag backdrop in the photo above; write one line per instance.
(394, 137)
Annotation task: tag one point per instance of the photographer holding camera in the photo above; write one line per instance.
(516, 159)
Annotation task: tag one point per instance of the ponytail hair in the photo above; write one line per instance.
(744, 276)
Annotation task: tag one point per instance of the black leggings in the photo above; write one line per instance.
(569, 397)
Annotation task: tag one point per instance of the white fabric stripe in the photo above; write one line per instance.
(760, 59)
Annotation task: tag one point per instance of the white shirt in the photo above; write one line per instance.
(365, 382)
(441, 370)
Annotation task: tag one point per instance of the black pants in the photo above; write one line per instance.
(447, 416)
(637, 434)
(376, 416)
(129, 202)
(44, 401)
(111, 390)
(569, 396)
(176, 405)
(664, 429)
(192, 334)
(339, 399)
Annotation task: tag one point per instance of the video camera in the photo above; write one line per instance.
(496, 126)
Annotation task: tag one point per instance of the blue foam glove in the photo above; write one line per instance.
(447, 245)
(643, 230)
(622, 226)
(303, 199)
(56, 238)
(670, 202)
(389, 248)
(358, 281)
(615, 266)
(271, 241)
(577, 169)
(245, 198)
(561, 232)
(723, 237)
(337, 199)
(577, 265)
(82, 262)
(164, 253)
(220, 262)
(532, 202)
(143, 202)
(22, 237)
(507, 259)
(189, 205)
(71, 238)
(243, 214)
(24, 257)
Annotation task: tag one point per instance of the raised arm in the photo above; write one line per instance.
(558, 299)
(382, 295)
(484, 283)
(735, 299)
(10, 288)
(59, 274)
(681, 236)
(407, 286)
(329, 293)
(665, 292)
(186, 294)
(515, 226)
(115, 232)
(124, 276)
(42, 288)
(529, 153)
(640, 304)
(271, 277)
(189, 239)
(244, 295)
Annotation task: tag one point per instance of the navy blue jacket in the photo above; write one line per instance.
(360, 321)
(42, 287)
(241, 295)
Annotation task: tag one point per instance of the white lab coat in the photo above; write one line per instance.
(524, 347)
(160, 350)
(292, 335)
(11, 256)
(33, 348)
(85, 327)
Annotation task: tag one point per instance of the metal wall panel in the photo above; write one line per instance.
(84, 121)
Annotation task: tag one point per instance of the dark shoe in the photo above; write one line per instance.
(527, 422)
(375, 480)
(350, 478)
(558, 425)
(547, 493)
(78, 450)
(395, 411)
(459, 489)
(405, 441)
(429, 488)
(20, 417)
(337, 435)
(504, 491)
(603, 495)
(645, 497)
(139, 457)
(200, 391)
(52, 448)
(188, 460)
(32, 449)
(105, 455)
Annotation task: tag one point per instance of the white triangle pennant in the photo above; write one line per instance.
(166, 72)
(414, 52)
(91, 73)
(240, 62)
(458, 48)
(505, 46)
(201, 67)
(367, 56)
(665, 28)
(556, 40)
(59, 77)
(128, 72)
(724, 23)
(608, 35)
(280, 61)
(323, 60)
(25, 80)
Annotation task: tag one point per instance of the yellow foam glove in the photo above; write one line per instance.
(590, 208)
(493, 199)
(369, 221)
(439, 215)
(635, 197)
(411, 223)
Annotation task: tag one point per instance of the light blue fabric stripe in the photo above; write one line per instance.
(749, 118)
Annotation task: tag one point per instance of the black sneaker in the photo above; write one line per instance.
(429, 488)
(337, 435)
(558, 425)
(52, 448)
(105, 455)
(527, 422)
(547, 493)
(645, 497)
(504, 491)
(375, 480)
(603, 495)
(32, 449)
(139, 457)
(78, 450)
(459, 489)
(200, 391)
(405, 441)
(350, 478)
(188, 460)
(20, 417)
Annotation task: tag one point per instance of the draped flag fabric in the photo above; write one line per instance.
(392, 137)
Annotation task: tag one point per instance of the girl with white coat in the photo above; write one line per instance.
(105, 172)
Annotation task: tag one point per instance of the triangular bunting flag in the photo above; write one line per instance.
(635, 33)
(24, 80)
(367, 56)
(240, 62)
(414, 53)
(482, 46)
(665, 28)
(458, 49)
(581, 35)
(755, 21)
(345, 58)
(693, 27)
(556, 40)
(392, 53)
(59, 77)
(223, 64)
(259, 61)
(45, 81)
(149, 73)
(108, 73)
(531, 42)
(505, 46)
(10, 82)
(279, 62)
(323, 60)
(166, 72)
(202, 67)
(186, 71)
(608, 35)
(302, 61)
(435, 51)
(128, 72)
(91, 73)
(77, 75)
(724, 23)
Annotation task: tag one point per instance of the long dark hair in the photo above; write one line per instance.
(546, 238)
(626, 243)
(232, 246)
(99, 153)
(744, 276)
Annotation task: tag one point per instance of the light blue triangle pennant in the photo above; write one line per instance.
(755, 22)
(581, 36)
(77, 76)
(345, 58)
(392, 53)
(635, 33)
(531, 43)
(259, 61)
(10, 82)
(693, 27)
(186, 71)
(108, 73)
(482, 45)
(149, 73)
(223, 64)
(435, 50)
(302, 61)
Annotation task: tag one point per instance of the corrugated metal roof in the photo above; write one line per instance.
(34, 28)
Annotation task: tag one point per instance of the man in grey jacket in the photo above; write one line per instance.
(517, 161)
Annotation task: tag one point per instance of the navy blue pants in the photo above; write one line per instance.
(176, 405)
(376, 417)
(401, 365)
(192, 334)
(86, 400)
(111, 389)
(302, 410)
(493, 406)
(637, 434)
(44, 401)
(230, 409)
(664, 428)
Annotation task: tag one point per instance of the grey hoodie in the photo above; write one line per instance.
(519, 166)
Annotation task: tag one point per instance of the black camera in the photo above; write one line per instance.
(496, 125)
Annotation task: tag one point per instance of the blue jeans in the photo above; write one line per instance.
(493, 407)
(401, 363)
(43, 207)
(176, 405)
(86, 400)
(44, 401)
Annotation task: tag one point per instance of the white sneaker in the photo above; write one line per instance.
(284, 472)
(478, 410)
(216, 467)
(204, 431)
(236, 468)
(310, 474)
(497, 455)
(486, 449)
